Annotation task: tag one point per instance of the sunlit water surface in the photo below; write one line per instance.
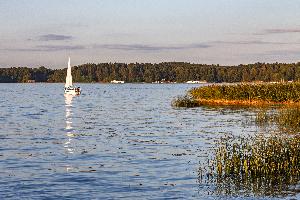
(113, 141)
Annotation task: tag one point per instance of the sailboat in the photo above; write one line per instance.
(69, 88)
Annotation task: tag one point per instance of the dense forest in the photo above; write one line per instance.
(147, 72)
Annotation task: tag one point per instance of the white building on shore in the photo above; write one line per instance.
(117, 82)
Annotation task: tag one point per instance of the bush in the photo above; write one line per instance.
(185, 101)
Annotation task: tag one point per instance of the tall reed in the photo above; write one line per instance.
(286, 119)
(277, 93)
(259, 166)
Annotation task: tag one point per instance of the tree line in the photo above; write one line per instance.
(147, 72)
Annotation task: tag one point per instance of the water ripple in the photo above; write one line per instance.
(113, 141)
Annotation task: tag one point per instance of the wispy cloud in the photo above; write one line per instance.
(49, 48)
(51, 37)
(147, 47)
(121, 47)
(60, 47)
(278, 31)
(249, 42)
(143, 47)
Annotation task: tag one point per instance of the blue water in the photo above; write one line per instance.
(113, 141)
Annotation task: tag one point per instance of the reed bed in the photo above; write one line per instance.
(247, 94)
(259, 166)
(286, 119)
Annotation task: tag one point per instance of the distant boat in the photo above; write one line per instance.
(118, 82)
(69, 88)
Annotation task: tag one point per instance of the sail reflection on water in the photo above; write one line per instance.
(69, 128)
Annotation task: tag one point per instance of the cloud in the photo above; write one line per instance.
(51, 37)
(121, 47)
(49, 48)
(146, 47)
(143, 47)
(149, 47)
(279, 31)
(60, 47)
(250, 42)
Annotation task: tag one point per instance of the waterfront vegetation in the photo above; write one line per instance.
(259, 94)
(261, 166)
(284, 119)
(264, 164)
(147, 72)
(185, 101)
(263, 93)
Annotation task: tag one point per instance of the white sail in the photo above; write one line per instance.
(69, 75)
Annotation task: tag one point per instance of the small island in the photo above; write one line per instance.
(242, 94)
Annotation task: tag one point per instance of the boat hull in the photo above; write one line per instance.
(73, 91)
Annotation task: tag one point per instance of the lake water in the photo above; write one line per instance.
(113, 141)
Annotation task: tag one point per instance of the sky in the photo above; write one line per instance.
(37, 33)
